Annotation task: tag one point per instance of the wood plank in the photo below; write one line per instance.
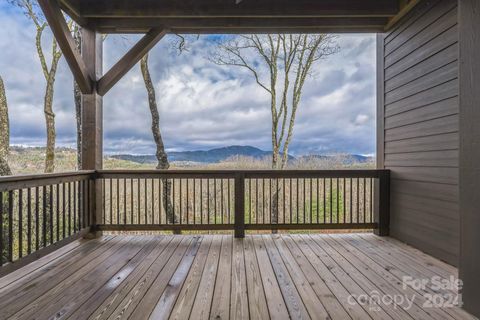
(415, 271)
(359, 278)
(428, 190)
(392, 284)
(238, 25)
(203, 299)
(144, 307)
(438, 109)
(422, 22)
(441, 142)
(437, 126)
(276, 305)
(317, 305)
(333, 299)
(443, 57)
(62, 300)
(414, 255)
(443, 175)
(402, 266)
(167, 300)
(421, 256)
(131, 300)
(33, 289)
(15, 277)
(430, 222)
(340, 282)
(446, 210)
(427, 239)
(238, 294)
(259, 8)
(106, 299)
(293, 300)
(410, 19)
(220, 308)
(441, 25)
(257, 303)
(435, 45)
(444, 91)
(186, 297)
(430, 80)
(448, 158)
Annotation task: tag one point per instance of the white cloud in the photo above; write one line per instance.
(201, 105)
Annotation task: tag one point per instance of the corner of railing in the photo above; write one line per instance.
(382, 207)
(239, 224)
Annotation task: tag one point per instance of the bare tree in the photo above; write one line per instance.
(4, 132)
(280, 65)
(32, 11)
(157, 136)
(4, 167)
(77, 97)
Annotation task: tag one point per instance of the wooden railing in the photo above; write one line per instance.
(38, 213)
(244, 200)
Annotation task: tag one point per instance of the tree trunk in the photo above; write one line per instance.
(160, 153)
(4, 132)
(50, 125)
(77, 96)
(4, 167)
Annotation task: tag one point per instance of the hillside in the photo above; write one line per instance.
(31, 160)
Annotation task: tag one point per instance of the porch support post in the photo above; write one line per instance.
(382, 204)
(469, 180)
(239, 206)
(92, 120)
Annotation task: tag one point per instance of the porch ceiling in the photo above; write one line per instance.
(236, 16)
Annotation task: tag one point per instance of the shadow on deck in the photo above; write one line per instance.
(340, 276)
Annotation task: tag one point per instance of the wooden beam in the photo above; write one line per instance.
(405, 9)
(237, 25)
(131, 58)
(92, 121)
(245, 8)
(469, 180)
(62, 34)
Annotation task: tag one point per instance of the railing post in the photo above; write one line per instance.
(382, 207)
(240, 205)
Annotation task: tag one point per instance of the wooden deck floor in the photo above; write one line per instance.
(200, 277)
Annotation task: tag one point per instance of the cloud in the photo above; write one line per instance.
(201, 105)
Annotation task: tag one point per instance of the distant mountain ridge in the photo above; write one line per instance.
(221, 154)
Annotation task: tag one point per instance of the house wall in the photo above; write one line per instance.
(469, 39)
(418, 121)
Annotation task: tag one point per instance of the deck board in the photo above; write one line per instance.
(277, 276)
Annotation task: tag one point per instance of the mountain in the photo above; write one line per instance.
(221, 154)
(203, 156)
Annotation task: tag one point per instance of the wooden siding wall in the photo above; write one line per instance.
(419, 127)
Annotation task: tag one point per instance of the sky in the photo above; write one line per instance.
(201, 105)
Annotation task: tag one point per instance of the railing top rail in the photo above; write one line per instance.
(40, 176)
(32, 180)
(344, 173)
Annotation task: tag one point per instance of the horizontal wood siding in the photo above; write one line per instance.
(421, 127)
